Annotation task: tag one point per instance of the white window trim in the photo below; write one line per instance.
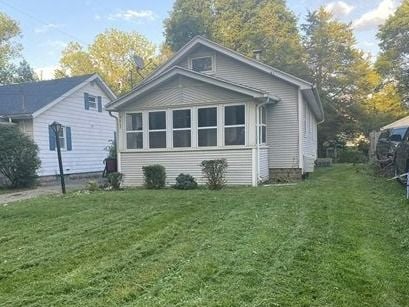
(183, 129)
(65, 139)
(234, 126)
(95, 101)
(159, 130)
(133, 131)
(260, 125)
(208, 127)
(212, 56)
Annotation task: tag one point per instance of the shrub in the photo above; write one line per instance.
(19, 160)
(155, 176)
(114, 180)
(352, 156)
(185, 182)
(92, 186)
(214, 171)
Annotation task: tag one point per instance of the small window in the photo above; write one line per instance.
(181, 128)
(62, 137)
(92, 102)
(134, 134)
(262, 125)
(207, 127)
(234, 125)
(157, 129)
(202, 64)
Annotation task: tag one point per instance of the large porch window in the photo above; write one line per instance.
(234, 125)
(207, 127)
(157, 129)
(134, 134)
(262, 125)
(182, 136)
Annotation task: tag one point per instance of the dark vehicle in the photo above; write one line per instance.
(401, 157)
(388, 142)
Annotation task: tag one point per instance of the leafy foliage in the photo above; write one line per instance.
(111, 56)
(12, 73)
(185, 182)
(243, 26)
(393, 61)
(155, 176)
(114, 180)
(214, 172)
(9, 29)
(19, 160)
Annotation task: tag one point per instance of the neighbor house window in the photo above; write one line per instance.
(202, 64)
(207, 126)
(262, 125)
(234, 125)
(92, 102)
(157, 129)
(182, 128)
(62, 137)
(134, 134)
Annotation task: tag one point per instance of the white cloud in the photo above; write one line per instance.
(45, 73)
(339, 8)
(47, 27)
(132, 15)
(375, 17)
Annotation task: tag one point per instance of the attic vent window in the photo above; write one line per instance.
(202, 64)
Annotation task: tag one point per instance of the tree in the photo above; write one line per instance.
(244, 26)
(393, 61)
(111, 56)
(341, 73)
(9, 29)
(19, 160)
(12, 73)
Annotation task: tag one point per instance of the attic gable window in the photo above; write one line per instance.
(203, 64)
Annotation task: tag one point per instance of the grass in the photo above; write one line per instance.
(340, 238)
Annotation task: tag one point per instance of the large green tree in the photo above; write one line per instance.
(111, 56)
(393, 61)
(243, 25)
(344, 77)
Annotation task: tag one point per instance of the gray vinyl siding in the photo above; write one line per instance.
(26, 126)
(183, 91)
(264, 173)
(282, 121)
(239, 171)
(309, 129)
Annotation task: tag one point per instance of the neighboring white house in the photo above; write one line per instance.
(76, 103)
(210, 102)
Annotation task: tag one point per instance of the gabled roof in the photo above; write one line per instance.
(403, 122)
(200, 40)
(26, 100)
(180, 71)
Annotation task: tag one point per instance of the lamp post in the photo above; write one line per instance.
(57, 129)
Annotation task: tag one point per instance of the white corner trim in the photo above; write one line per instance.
(300, 132)
(254, 167)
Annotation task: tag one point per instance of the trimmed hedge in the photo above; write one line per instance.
(155, 176)
(185, 182)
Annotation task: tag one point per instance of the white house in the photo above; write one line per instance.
(76, 103)
(210, 102)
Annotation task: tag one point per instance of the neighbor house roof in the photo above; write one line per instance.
(25, 100)
(403, 122)
(180, 71)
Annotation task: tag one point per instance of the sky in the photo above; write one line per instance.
(48, 25)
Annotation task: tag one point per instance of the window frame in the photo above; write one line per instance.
(133, 131)
(157, 130)
(208, 127)
(182, 129)
(92, 105)
(64, 147)
(212, 71)
(234, 126)
(262, 125)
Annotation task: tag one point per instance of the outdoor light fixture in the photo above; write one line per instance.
(56, 127)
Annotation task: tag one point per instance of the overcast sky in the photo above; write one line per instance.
(48, 25)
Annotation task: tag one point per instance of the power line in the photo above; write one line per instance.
(38, 20)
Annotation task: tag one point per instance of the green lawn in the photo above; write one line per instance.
(340, 238)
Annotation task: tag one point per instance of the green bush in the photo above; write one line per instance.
(351, 156)
(214, 171)
(92, 186)
(185, 182)
(19, 160)
(155, 176)
(114, 180)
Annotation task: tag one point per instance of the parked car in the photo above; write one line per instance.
(388, 142)
(401, 157)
